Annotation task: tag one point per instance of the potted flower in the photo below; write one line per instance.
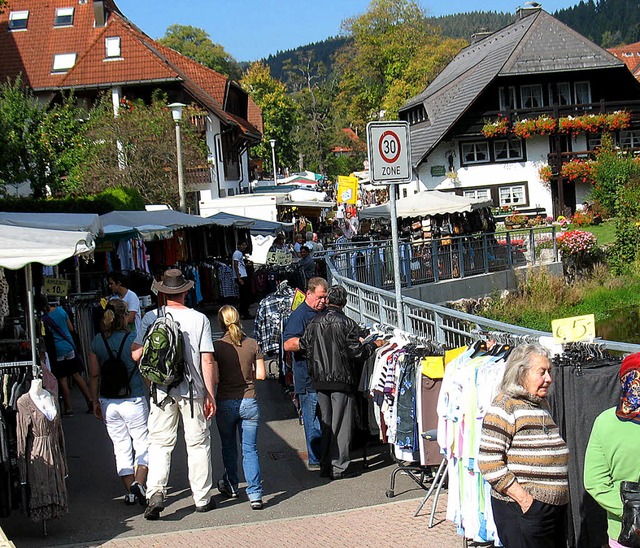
(563, 222)
(495, 128)
(545, 173)
(515, 220)
(578, 170)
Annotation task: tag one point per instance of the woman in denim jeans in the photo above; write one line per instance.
(240, 364)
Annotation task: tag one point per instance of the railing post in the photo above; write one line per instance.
(382, 310)
(434, 260)
(361, 305)
(509, 250)
(441, 335)
(407, 263)
(555, 244)
(460, 257)
(377, 266)
(485, 253)
(532, 246)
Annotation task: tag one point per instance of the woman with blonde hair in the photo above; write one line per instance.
(240, 364)
(119, 397)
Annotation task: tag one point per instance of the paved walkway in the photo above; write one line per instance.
(383, 525)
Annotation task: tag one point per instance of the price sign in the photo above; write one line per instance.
(56, 288)
(578, 328)
(298, 299)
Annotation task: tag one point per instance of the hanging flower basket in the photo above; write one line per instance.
(545, 173)
(578, 170)
(495, 128)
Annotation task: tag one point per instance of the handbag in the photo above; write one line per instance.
(630, 531)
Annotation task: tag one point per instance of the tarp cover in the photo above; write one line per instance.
(88, 222)
(256, 226)
(21, 245)
(163, 218)
(425, 203)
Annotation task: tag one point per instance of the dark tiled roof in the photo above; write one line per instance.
(537, 43)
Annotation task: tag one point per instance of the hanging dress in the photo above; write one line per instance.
(41, 460)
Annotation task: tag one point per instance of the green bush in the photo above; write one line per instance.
(625, 252)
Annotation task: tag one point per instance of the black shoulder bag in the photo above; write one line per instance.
(630, 532)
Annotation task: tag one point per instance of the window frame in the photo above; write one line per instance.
(510, 188)
(475, 144)
(63, 67)
(64, 17)
(504, 93)
(532, 87)
(508, 149)
(111, 40)
(587, 84)
(633, 135)
(558, 94)
(473, 193)
(18, 15)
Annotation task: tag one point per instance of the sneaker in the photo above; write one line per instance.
(209, 506)
(227, 490)
(155, 505)
(256, 504)
(139, 492)
(129, 499)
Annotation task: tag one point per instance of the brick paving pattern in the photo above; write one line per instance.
(390, 524)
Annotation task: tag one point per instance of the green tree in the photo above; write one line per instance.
(393, 53)
(278, 115)
(39, 144)
(137, 149)
(196, 44)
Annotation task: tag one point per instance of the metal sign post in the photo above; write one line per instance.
(390, 164)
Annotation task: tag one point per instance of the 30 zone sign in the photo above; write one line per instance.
(389, 157)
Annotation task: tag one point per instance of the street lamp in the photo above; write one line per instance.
(176, 112)
(272, 142)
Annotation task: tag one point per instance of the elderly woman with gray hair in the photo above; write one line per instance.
(523, 456)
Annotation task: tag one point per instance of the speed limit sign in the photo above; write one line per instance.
(389, 152)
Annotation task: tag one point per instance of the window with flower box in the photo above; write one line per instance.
(512, 195)
(507, 98)
(531, 96)
(476, 152)
(507, 149)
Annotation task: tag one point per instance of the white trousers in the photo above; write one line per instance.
(126, 422)
(163, 434)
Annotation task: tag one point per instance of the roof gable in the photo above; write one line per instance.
(537, 43)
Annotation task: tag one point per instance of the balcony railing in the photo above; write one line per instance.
(198, 178)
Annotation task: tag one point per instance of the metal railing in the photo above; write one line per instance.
(373, 305)
(446, 258)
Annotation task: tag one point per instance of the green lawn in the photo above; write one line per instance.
(605, 232)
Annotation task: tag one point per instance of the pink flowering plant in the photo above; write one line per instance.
(577, 242)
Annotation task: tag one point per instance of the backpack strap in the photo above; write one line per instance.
(49, 322)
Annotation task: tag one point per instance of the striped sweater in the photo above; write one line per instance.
(520, 442)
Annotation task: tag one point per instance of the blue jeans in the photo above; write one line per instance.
(241, 417)
(312, 431)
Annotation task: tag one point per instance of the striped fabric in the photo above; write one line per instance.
(520, 442)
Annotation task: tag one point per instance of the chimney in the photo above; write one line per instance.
(99, 13)
(528, 8)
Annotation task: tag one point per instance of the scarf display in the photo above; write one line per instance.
(629, 407)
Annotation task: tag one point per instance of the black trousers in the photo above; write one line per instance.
(543, 526)
(245, 297)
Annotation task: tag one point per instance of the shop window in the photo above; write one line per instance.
(475, 152)
(531, 96)
(18, 20)
(505, 150)
(64, 17)
(512, 195)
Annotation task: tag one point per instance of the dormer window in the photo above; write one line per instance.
(18, 20)
(63, 62)
(112, 47)
(64, 17)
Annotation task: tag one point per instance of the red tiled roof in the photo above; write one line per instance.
(630, 55)
(143, 60)
(351, 134)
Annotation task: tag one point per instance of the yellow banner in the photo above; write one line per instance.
(347, 190)
(578, 328)
(298, 299)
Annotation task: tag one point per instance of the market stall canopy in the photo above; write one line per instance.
(306, 177)
(425, 203)
(256, 226)
(301, 195)
(40, 240)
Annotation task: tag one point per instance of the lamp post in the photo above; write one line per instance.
(176, 112)
(272, 142)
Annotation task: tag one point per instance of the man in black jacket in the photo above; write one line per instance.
(332, 345)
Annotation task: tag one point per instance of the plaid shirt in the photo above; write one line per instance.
(272, 311)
